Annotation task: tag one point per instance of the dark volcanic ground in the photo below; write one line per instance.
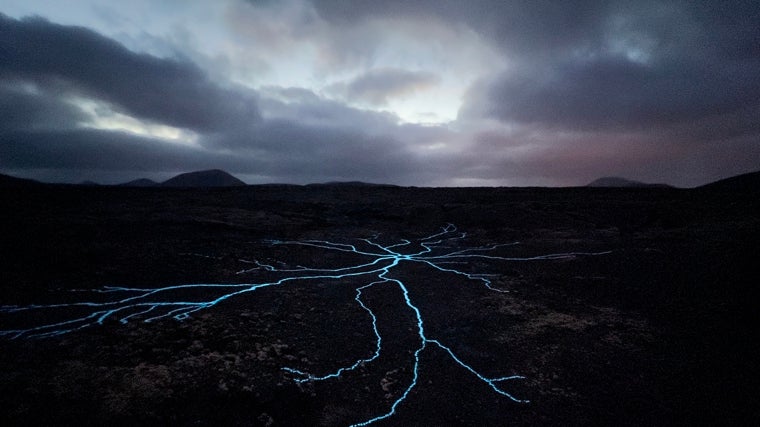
(658, 332)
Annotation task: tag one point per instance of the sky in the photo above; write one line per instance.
(423, 93)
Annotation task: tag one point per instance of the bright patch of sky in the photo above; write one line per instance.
(102, 116)
(424, 92)
(287, 44)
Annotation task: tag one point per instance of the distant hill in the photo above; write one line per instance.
(142, 182)
(89, 183)
(12, 181)
(745, 182)
(209, 178)
(614, 181)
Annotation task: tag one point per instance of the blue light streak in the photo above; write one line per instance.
(125, 303)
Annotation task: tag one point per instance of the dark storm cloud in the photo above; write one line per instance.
(616, 92)
(85, 149)
(660, 91)
(44, 65)
(599, 64)
(669, 63)
(278, 149)
(304, 139)
(339, 154)
(306, 107)
(377, 86)
(29, 109)
(305, 135)
(80, 61)
(651, 90)
(519, 25)
(533, 27)
(313, 151)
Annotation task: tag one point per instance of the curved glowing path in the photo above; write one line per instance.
(124, 303)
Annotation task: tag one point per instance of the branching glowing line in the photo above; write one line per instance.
(154, 303)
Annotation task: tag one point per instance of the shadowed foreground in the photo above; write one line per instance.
(645, 320)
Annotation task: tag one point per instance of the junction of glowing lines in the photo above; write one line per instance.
(439, 251)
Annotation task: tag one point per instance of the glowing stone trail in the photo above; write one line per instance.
(150, 304)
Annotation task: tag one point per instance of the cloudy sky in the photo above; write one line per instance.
(427, 93)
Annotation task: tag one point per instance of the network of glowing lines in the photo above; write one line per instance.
(440, 251)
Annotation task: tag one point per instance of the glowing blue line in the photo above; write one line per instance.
(360, 362)
(327, 245)
(490, 381)
(383, 248)
(404, 242)
(125, 320)
(334, 270)
(403, 396)
(17, 333)
(142, 300)
(564, 255)
(483, 248)
(449, 228)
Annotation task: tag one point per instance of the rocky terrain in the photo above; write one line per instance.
(653, 330)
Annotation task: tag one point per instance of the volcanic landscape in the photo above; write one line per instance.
(353, 304)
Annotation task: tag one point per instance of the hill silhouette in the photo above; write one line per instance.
(745, 182)
(12, 181)
(142, 182)
(615, 181)
(207, 178)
